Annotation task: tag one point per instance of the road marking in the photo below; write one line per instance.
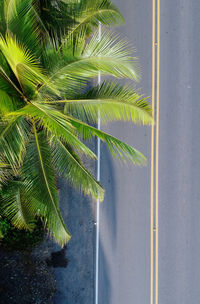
(152, 159)
(98, 201)
(154, 154)
(157, 146)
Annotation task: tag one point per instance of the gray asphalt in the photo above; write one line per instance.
(179, 190)
(125, 213)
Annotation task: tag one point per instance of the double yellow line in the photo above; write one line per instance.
(155, 150)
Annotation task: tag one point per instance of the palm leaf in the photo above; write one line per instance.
(112, 102)
(89, 13)
(23, 64)
(118, 148)
(21, 22)
(54, 18)
(5, 74)
(7, 84)
(109, 55)
(15, 8)
(13, 141)
(69, 165)
(115, 52)
(5, 170)
(39, 173)
(6, 103)
(55, 123)
(15, 206)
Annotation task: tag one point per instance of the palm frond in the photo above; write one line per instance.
(15, 8)
(110, 55)
(113, 102)
(21, 22)
(13, 141)
(118, 148)
(89, 13)
(69, 165)
(22, 63)
(54, 18)
(15, 206)
(39, 174)
(6, 83)
(55, 123)
(5, 170)
(115, 51)
(6, 103)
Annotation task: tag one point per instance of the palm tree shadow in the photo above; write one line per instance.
(58, 258)
(76, 281)
(108, 208)
(105, 286)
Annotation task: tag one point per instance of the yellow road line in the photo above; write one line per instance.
(157, 147)
(152, 157)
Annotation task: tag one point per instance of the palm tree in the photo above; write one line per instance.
(47, 110)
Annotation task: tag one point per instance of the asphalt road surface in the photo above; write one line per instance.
(179, 157)
(124, 261)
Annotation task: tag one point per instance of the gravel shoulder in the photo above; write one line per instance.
(26, 277)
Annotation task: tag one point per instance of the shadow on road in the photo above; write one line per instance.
(74, 266)
(108, 211)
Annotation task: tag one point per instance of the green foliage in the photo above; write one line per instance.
(75, 171)
(112, 102)
(49, 52)
(15, 239)
(4, 227)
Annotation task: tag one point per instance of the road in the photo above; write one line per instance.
(125, 239)
(124, 263)
(179, 158)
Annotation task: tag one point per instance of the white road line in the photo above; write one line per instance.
(98, 202)
(155, 150)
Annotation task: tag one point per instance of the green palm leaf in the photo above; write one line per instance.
(16, 8)
(112, 102)
(23, 64)
(108, 55)
(118, 148)
(55, 123)
(89, 13)
(15, 206)
(69, 165)
(6, 83)
(21, 21)
(111, 55)
(5, 170)
(38, 172)
(6, 103)
(13, 140)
